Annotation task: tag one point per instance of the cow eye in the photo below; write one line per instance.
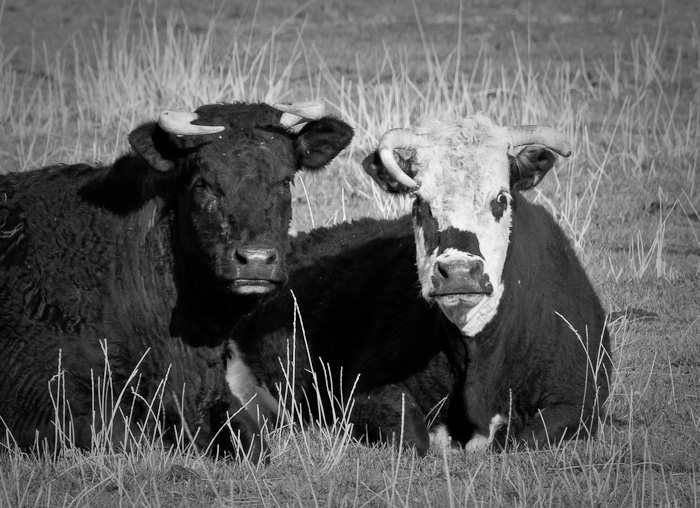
(200, 185)
(500, 205)
(203, 196)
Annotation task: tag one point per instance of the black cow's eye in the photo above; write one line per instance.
(203, 195)
(200, 185)
(502, 199)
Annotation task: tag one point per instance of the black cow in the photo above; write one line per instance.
(157, 255)
(508, 343)
(355, 288)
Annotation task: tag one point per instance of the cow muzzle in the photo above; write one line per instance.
(460, 281)
(256, 270)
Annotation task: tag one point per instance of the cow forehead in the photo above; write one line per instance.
(261, 158)
(461, 167)
(241, 115)
(242, 156)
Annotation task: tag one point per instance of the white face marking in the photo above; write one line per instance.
(424, 262)
(461, 172)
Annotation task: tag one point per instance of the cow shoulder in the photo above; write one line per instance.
(55, 250)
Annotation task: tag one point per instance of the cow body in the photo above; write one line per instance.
(487, 310)
(541, 366)
(355, 287)
(146, 263)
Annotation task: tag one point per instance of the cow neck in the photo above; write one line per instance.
(204, 312)
(202, 325)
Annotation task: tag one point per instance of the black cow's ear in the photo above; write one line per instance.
(373, 166)
(155, 145)
(320, 141)
(529, 166)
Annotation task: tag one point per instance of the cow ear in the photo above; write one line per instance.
(373, 166)
(320, 141)
(529, 166)
(155, 145)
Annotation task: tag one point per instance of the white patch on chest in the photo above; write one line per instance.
(257, 400)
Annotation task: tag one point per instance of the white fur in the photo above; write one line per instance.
(481, 442)
(424, 263)
(440, 438)
(461, 168)
(257, 399)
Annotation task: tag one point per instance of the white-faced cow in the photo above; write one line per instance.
(497, 335)
(157, 254)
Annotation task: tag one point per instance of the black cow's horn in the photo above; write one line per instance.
(397, 138)
(541, 135)
(180, 124)
(299, 112)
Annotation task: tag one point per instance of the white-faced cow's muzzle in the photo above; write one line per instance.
(467, 288)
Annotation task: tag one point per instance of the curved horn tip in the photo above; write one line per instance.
(311, 110)
(398, 138)
(566, 150)
(290, 120)
(169, 115)
(541, 135)
(386, 154)
(180, 124)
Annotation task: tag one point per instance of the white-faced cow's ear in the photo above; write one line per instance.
(155, 146)
(529, 166)
(373, 166)
(319, 142)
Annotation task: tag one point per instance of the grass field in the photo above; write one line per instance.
(622, 80)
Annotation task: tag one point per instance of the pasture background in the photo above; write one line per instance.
(621, 78)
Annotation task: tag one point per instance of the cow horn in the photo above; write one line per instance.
(540, 135)
(397, 138)
(180, 124)
(299, 112)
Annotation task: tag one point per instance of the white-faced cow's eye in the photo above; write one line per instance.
(499, 205)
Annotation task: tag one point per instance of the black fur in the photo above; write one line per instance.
(142, 254)
(358, 295)
(356, 289)
(527, 364)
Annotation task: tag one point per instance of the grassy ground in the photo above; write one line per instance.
(622, 79)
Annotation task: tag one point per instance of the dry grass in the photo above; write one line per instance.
(628, 197)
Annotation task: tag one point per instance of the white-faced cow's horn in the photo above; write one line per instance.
(180, 124)
(397, 138)
(299, 112)
(540, 135)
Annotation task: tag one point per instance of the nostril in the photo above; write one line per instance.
(476, 269)
(240, 257)
(441, 271)
(272, 258)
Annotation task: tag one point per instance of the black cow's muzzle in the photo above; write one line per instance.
(256, 270)
(460, 278)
